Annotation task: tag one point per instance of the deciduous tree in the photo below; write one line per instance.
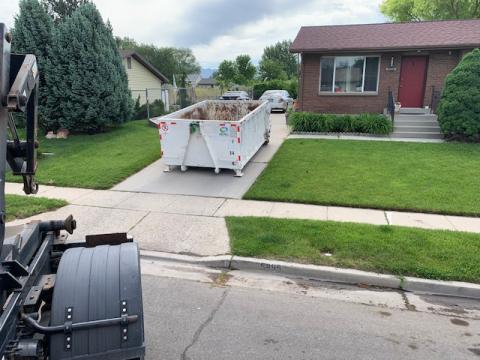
(271, 70)
(415, 10)
(226, 73)
(168, 60)
(244, 69)
(280, 54)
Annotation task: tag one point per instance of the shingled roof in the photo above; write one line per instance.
(127, 53)
(448, 34)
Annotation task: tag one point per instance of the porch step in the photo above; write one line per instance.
(416, 117)
(417, 128)
(417, 135)
(405, 110)
(401, 122)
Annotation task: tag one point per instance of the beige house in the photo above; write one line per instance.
(143, 77)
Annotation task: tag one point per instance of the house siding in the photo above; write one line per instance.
(139, 79)
(439, 65)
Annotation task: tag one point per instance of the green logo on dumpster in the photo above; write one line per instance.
(223, 131)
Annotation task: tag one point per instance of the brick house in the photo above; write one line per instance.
(350, 68)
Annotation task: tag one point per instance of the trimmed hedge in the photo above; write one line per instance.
(325, 123)
(459, 109)
(290, 85)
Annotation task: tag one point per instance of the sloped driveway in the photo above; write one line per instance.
(204, 182)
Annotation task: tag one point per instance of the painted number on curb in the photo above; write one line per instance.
(271, 267)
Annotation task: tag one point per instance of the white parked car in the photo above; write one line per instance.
(278, 99)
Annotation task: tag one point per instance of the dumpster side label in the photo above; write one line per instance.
(163, 127)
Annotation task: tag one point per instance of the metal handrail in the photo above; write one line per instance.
(391, 105)
(435, 99)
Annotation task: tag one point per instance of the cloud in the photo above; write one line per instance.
(209, 19)
(221, 29)
(254, 36)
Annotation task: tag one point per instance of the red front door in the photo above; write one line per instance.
(412, 81)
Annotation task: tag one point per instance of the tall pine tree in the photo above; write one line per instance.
(32, 34)
(86, 80)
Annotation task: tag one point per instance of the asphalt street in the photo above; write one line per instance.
(187, 317)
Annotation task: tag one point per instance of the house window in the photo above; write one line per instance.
(129, 62)
(349, 74)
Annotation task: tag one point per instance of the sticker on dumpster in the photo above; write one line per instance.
(164, 127)
(223, 131)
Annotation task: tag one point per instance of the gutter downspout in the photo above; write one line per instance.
(302, 75)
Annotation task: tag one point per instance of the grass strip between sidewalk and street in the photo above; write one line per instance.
(422, 177)
(20, 207)
(401, 251)
(96, 161)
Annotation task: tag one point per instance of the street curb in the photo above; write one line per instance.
(325, 273)
(217, 261)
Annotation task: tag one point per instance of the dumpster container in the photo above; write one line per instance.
(215, 134)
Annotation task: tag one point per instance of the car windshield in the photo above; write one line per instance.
(275, 92)
(235, 93)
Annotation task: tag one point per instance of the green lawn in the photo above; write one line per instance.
(401, 251)
(97, 161)
(438, 178)
(19, 207)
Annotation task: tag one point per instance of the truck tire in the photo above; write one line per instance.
(98, 283)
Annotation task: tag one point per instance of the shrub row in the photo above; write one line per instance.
(324, 123)
(290, 85)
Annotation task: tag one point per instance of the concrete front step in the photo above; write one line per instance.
(416, 123)
(418, 117)
(417, 135)
(420, 129)
(405, 110)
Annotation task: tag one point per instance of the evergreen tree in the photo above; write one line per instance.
(32, 34)
(459, 109)
(86, 80)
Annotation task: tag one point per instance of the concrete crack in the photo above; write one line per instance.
(197, 334)
(218, 208)
(406, 301)
(139, 221)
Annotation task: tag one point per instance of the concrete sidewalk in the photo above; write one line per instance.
(195, 225)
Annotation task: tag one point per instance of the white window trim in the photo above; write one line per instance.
(332, 92)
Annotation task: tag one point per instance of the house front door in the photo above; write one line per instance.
(412, 81)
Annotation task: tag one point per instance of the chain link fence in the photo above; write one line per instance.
(153, 102)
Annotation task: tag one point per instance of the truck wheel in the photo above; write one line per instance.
(98, 283)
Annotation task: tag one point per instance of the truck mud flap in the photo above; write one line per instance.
(94, 285)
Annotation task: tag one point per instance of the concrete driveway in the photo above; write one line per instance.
(204, 182)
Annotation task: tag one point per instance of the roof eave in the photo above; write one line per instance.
(392, 49)
(147, 65)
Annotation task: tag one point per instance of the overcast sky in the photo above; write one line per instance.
(221, 29)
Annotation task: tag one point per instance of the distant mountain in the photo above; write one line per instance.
(206, 73)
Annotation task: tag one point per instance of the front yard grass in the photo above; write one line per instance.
(436, 178)
(431, 254)
(96, 161)
(20, 207)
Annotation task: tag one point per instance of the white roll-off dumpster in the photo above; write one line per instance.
(215, 134)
